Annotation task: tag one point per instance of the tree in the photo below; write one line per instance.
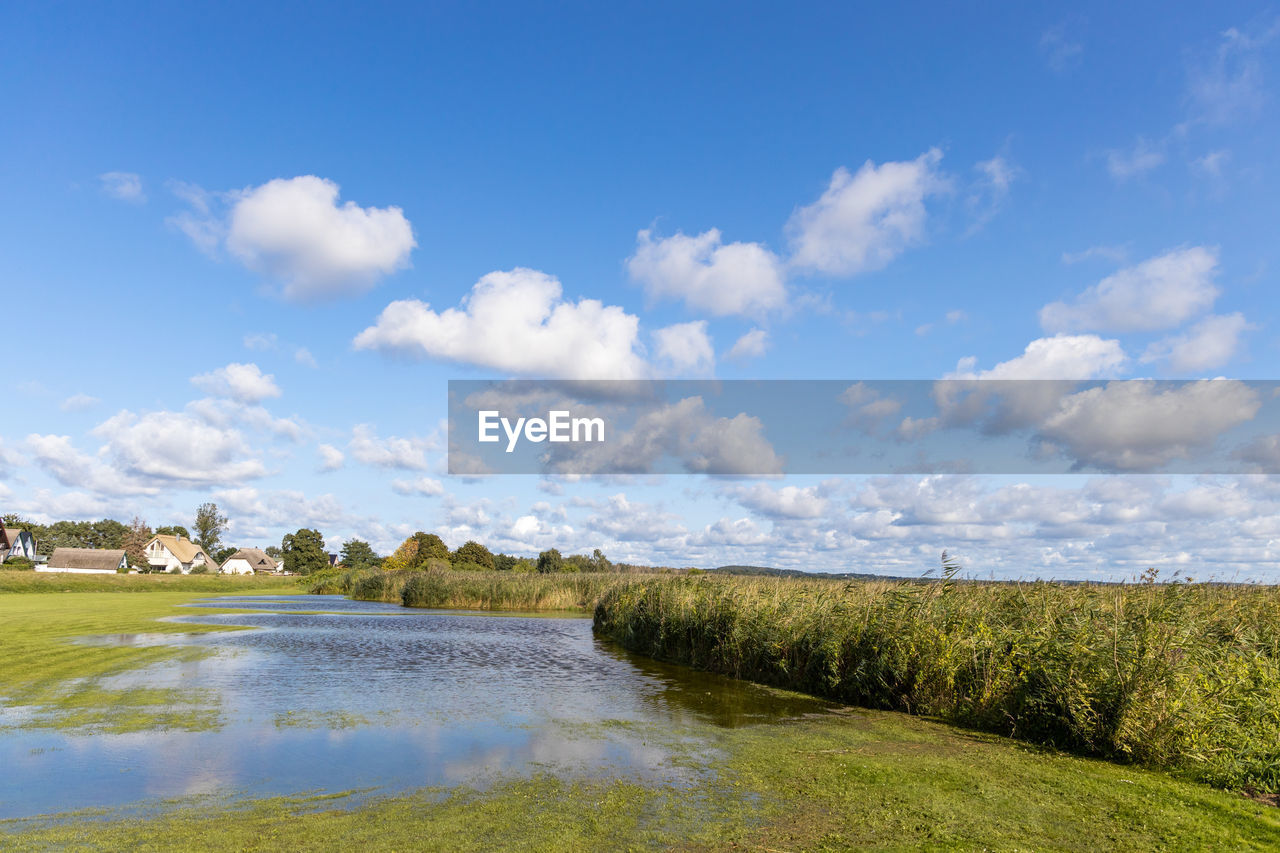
(550, 561)
(474, 553)
(135, 541)
(417, 552)
(358, 554)
(210, 525)
(304, 552)
(173, 530)
(223, 554)
(274, 552)
(599, 562)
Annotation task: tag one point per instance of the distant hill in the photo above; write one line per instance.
(796, 573)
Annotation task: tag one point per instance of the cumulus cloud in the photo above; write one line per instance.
(865, 220)
(126, 186)
(245, 383)
(753, 344)
(1159, 293)
(737, 278)
(425, 486)
(786, 502)
(391, 452)
(331, 458)
(177, 447)
(1209, 344)
(516, 321)
(1058, 357)
(58, 457)
(1134, 426)
(295, 231)
(686, 347)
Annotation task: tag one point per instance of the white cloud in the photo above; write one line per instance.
(686, 347)
(1159, 293)
(786, 502)
(738, 278)
(422, 486)
(1228, 86)
(294, 230)
(864, 220)
(730, 532)
(753, 344)
(79, 402)
(515, 321)
(1127, 164)
(1132, 426)
(243, 382)
(126, 186)
(391, 452)
(56, 455)
(1209, 344)
(1058, 357)
(1060, 52)
(331, 458)
(260, 341)
(1213, 163)
(989, 191)
(226, 413)
(180, 448)
(303, 356)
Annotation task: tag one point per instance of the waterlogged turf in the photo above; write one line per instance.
(722, 764)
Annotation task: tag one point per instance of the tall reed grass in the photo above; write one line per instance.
(569, 591)
(1182, 676)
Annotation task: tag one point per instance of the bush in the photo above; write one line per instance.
(199, 570)
(18, 564)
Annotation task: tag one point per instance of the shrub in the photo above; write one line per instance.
(18, 564)
(199, 570)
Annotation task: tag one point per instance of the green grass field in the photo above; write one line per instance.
(861, 779)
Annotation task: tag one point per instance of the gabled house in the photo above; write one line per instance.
(16, 543)
(166, 553)
(249, 561)
(86, 561)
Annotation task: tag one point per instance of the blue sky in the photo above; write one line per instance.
(248, 247)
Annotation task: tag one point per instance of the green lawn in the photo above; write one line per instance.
(858, 780)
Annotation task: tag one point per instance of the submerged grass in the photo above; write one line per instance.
(49, 680)
(866, 780)
(1165, 675)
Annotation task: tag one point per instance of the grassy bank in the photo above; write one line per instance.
(568, 592)
(868, 780)
(56, 682)
(1178, 676)
(64, 582)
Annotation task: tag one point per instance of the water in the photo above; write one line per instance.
(374, 696)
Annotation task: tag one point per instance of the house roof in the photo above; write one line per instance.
(255, 557)
(9, 535)
(86, 558)
(184, 549)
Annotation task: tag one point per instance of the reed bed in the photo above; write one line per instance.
(443, 588)
(1178, 676)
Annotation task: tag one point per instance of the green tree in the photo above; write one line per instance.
(135, 540)
(599, 562)
(210, 525)
(274, 552)
(358, 554)
(304, 552)
(472, 552)
(550, 561)
(504, 562)
(223, 554)
(173, 530)
(431, 547)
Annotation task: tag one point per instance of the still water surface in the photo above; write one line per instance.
(375, 696)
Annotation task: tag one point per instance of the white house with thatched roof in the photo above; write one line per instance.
(16, 543)
(166, 553)
(86, 561)
(249, 561)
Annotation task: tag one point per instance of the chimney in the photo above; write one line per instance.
(178, 536)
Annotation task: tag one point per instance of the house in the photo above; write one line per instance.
(166, 553)
(248, 561)
(86, 561)
(16, 543)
